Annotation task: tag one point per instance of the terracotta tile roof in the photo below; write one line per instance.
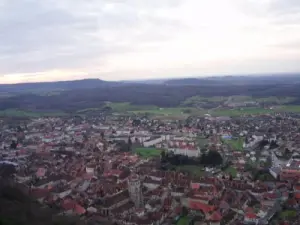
(39, 192)
(250, 216)
(297, 195)
(112, 200)
(216, 216)
(123, 208)
(79, 209)
(200, 206)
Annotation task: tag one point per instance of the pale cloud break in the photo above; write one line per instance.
(45, 40)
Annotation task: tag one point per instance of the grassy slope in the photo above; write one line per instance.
(195, 170)
(232, 171)
(178, 112)
(21, 113)
(148, 152)
(236, 145)
(237, 99)
(183, 221)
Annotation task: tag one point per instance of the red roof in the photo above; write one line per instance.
(79, 209)
(113, 173)
(251, 216)
(41, 172)
(291, 202)
(22, 151)
(201, 206)
(178, 210)
(195, 185)
(297, 195)
(216, 216)
(297, 187)
(88, 176)
(39, 192)
(270, 195)
(68, 204)
(249, 210)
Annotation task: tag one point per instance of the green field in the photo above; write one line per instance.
(194, 170)
(274, 99)
(148, 152)
(183, 112)
(288, 214)
(172, 113)
(199, 100)
(202, 141)
(183, 221)
(240, 112)
(128, 107)
(289, 108)
(152, 110)
(236, 144)
(21, 113)
(232, 171)
(165, 111)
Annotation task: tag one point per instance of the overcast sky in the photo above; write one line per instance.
(45, 40)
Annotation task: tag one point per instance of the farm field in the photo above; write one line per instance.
(200, 100)
(161, 113)
(148, 152)
(31, 114)
(289, 108)
(184, 112)
(165, 111)
(152, 110)
(127, 107)
(240, 112)
(288, 214)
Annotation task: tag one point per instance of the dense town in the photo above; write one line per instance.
(126, 170)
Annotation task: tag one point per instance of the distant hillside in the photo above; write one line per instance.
(193, 81)
(41, 87)
(53, 86)
(71, 96)
(238, 80)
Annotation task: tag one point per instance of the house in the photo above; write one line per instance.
(184, 148)
(153, 141)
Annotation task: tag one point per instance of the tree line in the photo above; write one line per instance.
(140, 94)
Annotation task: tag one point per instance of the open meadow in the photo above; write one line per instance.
(184, 112)
(148, 152)
(194, 170)
(29, 114)
(235, 144)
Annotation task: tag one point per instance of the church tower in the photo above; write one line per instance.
(135, 190)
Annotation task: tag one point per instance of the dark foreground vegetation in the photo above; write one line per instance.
(18, 208)
(76, 95)
(211, 158)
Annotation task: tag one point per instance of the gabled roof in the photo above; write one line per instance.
(216, 216)
(250, 216)
(201, 206)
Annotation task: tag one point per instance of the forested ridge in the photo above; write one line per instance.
(163, 95)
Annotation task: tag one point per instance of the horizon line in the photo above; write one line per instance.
(166, 78)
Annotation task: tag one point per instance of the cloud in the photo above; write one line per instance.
(50, 39)
(284, 12)
(43, 35)
(281, 7)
